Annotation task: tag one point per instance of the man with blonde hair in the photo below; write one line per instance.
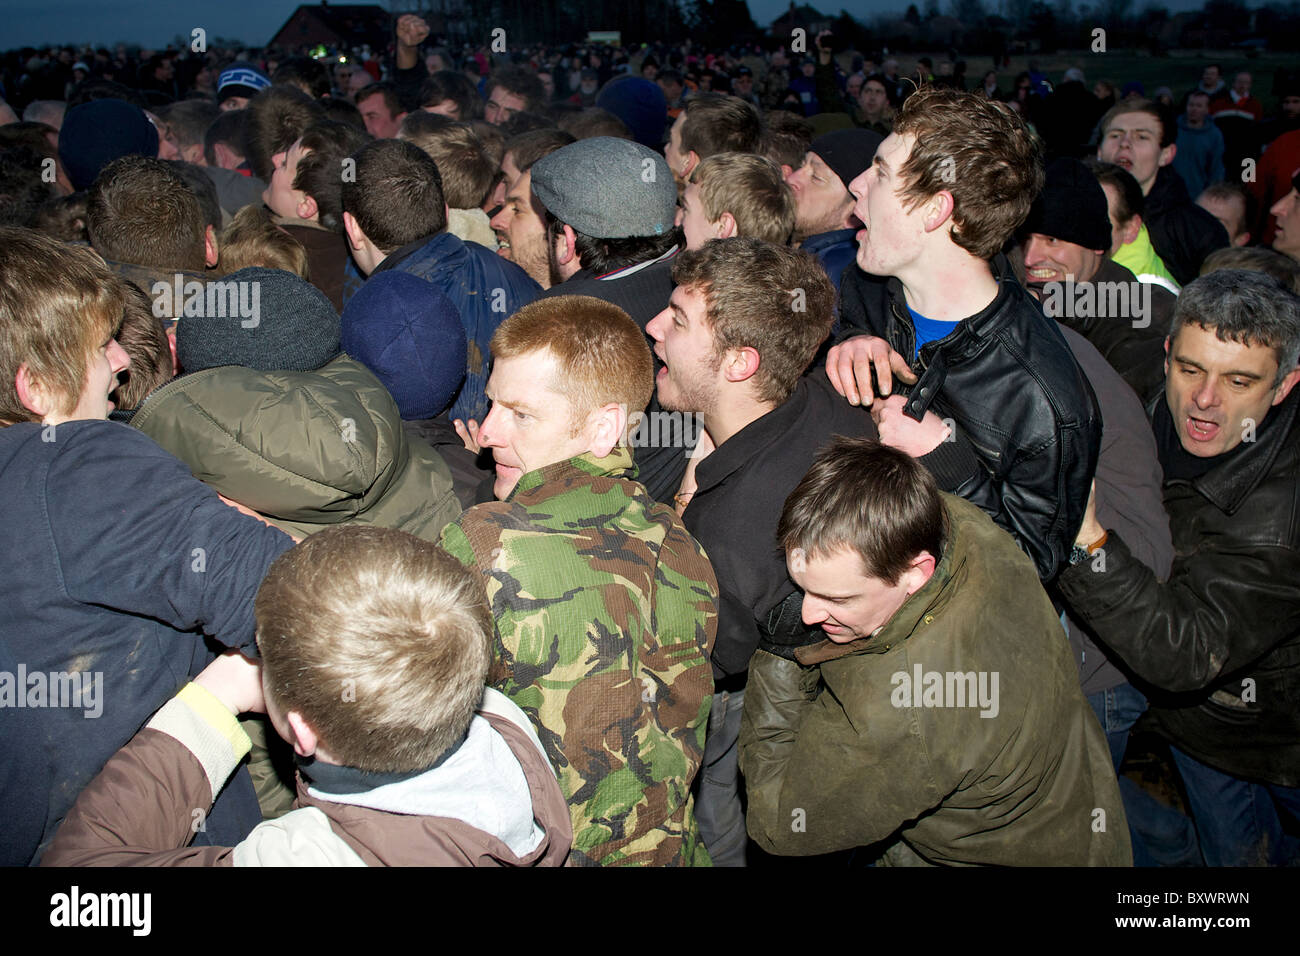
(736, 194)
(605, 606)
(374, 646)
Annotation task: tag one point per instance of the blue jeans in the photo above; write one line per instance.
(718, 808)
(1237, 822)
(1118, 710)
(1234, 822)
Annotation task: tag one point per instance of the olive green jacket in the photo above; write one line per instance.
(307, 450)
(1003, 765)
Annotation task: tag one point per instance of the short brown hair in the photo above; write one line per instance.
(1255, 259)
(450, 85)
(58, 305)
(1163, 115)
(391, 100)
(380, 640)
(787, 137)
(519, 81)
(716, 123)
(320, 167)
(978, 150)
(275, 119)
(594, 121)
(252, 239)
(602, 354)
(396, 196)
(466, 169)
(868, 498)
(773, 299)
(140, 211)
(752, 189)
(144, 340)
(528, 148)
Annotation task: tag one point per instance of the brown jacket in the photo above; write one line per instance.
(185, 753)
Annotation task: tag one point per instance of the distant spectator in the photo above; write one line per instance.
(449, 93)
(239, 83)
(1233, 207)
(511, 89)
(1139, 136)
(1199, 160)
(381, 110)
(305, 73)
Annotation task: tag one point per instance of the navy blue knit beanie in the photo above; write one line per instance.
(96, 133)
(410, 335)
(640, 104)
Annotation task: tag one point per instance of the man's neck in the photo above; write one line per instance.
(727, 421)
(949, 287)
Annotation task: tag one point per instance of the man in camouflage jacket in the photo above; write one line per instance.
(605, 606)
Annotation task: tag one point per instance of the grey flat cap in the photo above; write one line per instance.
(607, 188)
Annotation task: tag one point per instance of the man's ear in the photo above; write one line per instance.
(194, 154)
(1130, 232)
(304, 740)
(30, 392)
(356, 238)
(1242, 240)
(1167, 154)
(1288, 383)
(938, 210)
(307, 209)
(607, 427)
(1168, 340)
(210, 246)
(171, 345)
(725, 227)
(739, 365)
(692, 160)
(566, 245)
(918, 572)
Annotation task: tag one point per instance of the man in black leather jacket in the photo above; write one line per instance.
(998, 409)
(1222, 634)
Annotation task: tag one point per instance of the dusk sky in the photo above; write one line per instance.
(155, 22)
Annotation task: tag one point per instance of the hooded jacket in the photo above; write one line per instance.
(307, 450)
(955, 734)
(492, 802)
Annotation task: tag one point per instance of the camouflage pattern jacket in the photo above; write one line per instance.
(606, 610)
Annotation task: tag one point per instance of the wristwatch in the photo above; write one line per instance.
(1079, 554)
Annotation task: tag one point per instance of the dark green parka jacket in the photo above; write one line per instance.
(307, 450)
(992, 756)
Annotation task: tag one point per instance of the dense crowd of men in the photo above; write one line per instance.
(678, 459)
